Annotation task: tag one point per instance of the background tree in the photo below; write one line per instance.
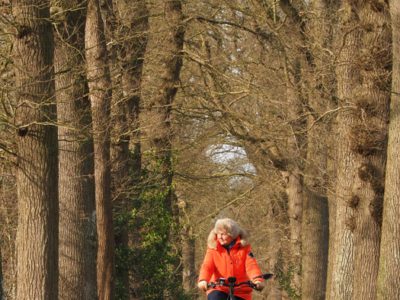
(37, 165)
(1, 279)
(321, 102)
(130, 32)
(296, 64)
(160, 103)
(8, 226)
(77, 255)
(8, 199)
(99, 82)
(158, 211)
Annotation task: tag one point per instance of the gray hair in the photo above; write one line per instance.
(232, 227)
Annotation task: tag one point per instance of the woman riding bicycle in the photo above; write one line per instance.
(229, 255)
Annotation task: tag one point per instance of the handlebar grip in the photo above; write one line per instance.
(211, 285)
(267, 275)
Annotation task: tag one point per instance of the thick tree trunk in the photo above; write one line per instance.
(389, 264)
(37, 172)
(100, 97)
(362, 82)
(372, 101)
(343, 257)
(77, 250)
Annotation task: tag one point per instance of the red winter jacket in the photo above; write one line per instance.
(239, 262)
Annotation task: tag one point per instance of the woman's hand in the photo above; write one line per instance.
(259, 285)
(202, 285)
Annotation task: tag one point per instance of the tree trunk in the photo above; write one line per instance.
(362, 80)
(294, 190)
(315, 226)
(132, 20)
(37, 233)
(372, 102)
(389, 264)
(160, 133)
(343, 264)
(188, 260)
(188, 248)
(314, 229)
(159, 128)
(315, 232)
(1, 277)
(343, 257)
(296, 65)
(293, 175)
(100, 97)
(77, 250)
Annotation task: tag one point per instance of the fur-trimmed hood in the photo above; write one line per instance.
(212, 241)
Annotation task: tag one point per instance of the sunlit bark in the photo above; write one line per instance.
(100, 96)
(37, 172)
(77, 250)
(389, 264)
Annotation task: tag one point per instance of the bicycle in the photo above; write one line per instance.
(231, 283)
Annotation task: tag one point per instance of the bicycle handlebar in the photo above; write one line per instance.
(231, 281)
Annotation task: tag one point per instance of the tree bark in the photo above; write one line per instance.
(315, 232)
(315, 226)
(294, 190)
(362, 82)
(188, 260)
(132, 20)
(389, 264)
(343, 257)
(100, 96)
(37, 172)
(296, 65)
(293, 175)
(1, 277)
(77, 250)
(372, 101)
(188, 248)
(160, 133)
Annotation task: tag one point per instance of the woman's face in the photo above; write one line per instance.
(223, 237)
